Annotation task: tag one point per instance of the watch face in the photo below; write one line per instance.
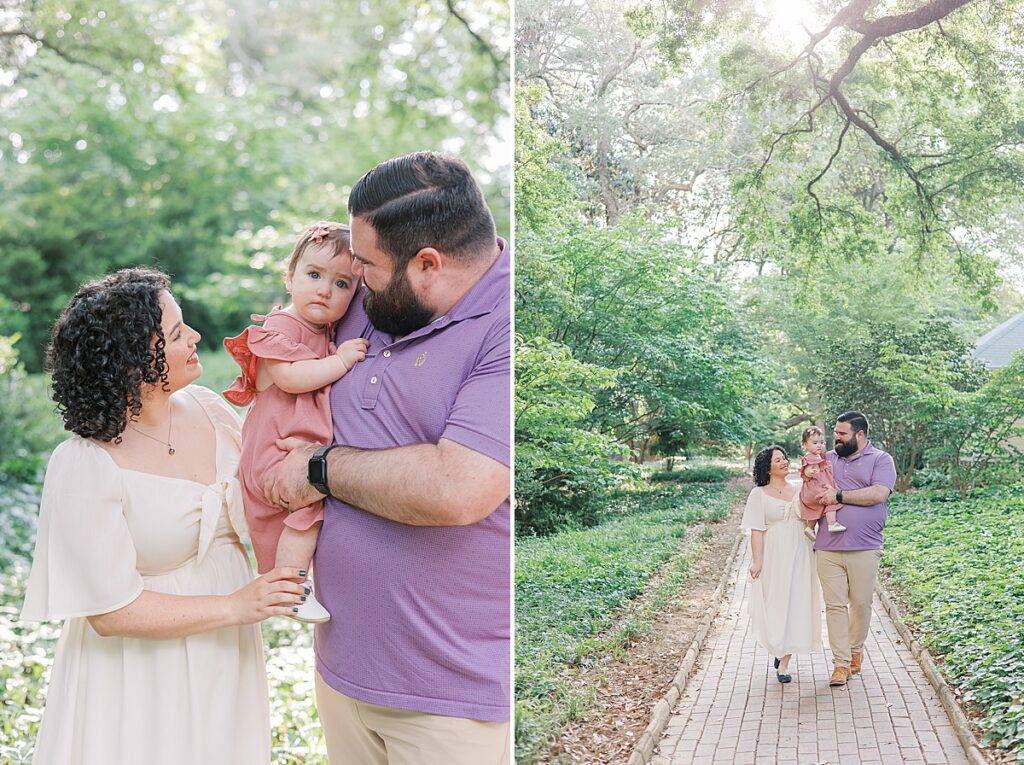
(318, 471)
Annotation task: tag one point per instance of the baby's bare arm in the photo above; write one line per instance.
(309, 375)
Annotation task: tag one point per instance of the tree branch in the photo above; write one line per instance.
(481, 43)
(43, 43)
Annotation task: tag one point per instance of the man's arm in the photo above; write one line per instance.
(869, 495)
(443, 484)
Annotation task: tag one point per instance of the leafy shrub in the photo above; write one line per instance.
(19, 508)
(703, 474)
(978, 431)
(563, 469)
(29, 424)
(905, 378)
(957, 560)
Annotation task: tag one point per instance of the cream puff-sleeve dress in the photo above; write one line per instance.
(785, 600)
(107, 533)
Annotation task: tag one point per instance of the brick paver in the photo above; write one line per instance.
(735, 711)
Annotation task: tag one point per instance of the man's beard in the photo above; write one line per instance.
(846, 449)
(395, 309)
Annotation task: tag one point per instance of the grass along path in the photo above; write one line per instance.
(572, 590)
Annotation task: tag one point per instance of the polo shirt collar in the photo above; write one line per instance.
(869, 449)
(489, 292)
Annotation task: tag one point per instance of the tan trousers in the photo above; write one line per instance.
(847, 584)
(358, 733)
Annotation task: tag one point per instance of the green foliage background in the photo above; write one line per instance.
(201, 136)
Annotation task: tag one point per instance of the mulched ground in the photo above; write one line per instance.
(628, 687)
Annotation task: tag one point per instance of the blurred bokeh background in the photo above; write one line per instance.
(201, 135)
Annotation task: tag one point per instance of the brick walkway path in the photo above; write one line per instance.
(735, 711)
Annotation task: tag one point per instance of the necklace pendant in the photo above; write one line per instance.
(170, 450)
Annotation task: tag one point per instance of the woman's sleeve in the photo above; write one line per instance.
(753, 514)
(84, 562)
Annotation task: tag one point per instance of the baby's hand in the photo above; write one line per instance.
(811, 471)
(351, 352)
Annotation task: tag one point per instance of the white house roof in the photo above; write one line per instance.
(995, 348)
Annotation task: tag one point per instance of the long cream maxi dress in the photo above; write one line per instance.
(105, 534)
(785, 600)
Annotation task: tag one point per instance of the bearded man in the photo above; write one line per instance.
(847, 561)
(413, 560)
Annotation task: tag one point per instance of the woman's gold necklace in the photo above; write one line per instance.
(167, 443)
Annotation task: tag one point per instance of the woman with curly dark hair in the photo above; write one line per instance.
(140, 546)
(785, 596)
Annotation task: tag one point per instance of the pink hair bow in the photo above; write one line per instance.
(319, 234)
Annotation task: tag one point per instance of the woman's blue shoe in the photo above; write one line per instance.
(784, 678)
(776, 664)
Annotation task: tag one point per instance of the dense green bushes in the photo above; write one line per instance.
(29, 424)
(563, 468)
(957, 562)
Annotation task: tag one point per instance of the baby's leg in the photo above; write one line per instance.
(296, 548)
(834, 525)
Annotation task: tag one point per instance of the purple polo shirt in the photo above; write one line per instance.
(864, 525)
(421, 615)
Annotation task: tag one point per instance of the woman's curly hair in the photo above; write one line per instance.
(102, 351)
(763, 463)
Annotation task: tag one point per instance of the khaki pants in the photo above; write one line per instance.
(847, 584)
(358, 733)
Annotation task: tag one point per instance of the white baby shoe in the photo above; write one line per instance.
(311, 612)
(809, 533)
(835, 528)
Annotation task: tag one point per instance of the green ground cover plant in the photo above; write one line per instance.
(956, 562)
(569, 586)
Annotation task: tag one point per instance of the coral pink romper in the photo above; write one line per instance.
(275, 414)
(810, 508)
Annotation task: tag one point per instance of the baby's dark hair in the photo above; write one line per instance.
(337, 235)
(763, 463)
(106, 344)
(813, 430)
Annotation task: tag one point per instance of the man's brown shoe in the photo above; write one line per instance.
(858, 659)
(839, 677)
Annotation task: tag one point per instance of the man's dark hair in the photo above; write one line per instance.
(763, 464)
(426, 199)
(857, 421)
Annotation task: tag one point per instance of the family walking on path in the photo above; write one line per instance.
(764, 690)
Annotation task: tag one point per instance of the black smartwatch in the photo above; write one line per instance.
(839, 492)
(318, 469)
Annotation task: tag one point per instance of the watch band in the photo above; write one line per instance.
(839, 496)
